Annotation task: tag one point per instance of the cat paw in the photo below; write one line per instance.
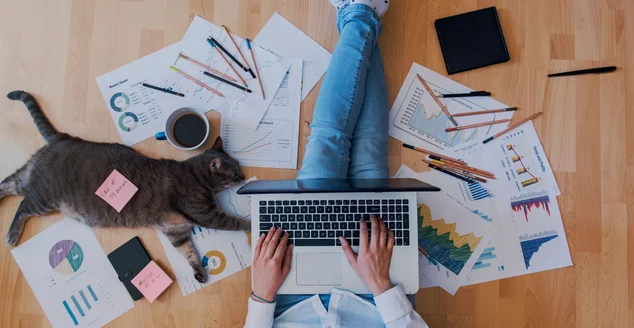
(13, 238)
(200, 274)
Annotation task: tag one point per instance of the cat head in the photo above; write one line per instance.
(224, 169)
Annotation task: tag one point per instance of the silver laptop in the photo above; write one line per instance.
(316, 212)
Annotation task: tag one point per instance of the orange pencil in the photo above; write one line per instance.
(425, 151)
(226, 61)
(207, 67)
(239, 52)
(187, 76)
(522, 121)
(431, 92)
(488, 111)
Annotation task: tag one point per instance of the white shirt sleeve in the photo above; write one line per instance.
(396, 310)
(259, 315)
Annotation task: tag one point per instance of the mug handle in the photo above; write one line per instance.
(160, 136)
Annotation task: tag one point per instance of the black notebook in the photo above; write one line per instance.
(472, 40)
(128, 260)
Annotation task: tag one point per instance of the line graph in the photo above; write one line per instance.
(526, 202)
(270, 142)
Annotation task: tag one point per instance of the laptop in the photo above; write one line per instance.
(316, 212)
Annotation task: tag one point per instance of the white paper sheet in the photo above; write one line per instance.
(139, 112)
(223, 253)
(275, 143)
(416, 119)
(243, 107)
(71, 276)
(282, 38)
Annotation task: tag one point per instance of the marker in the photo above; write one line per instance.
(256, 67)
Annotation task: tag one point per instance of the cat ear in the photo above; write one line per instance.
(218, 145)
(215, 164)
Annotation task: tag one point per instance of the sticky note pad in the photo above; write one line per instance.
(117, 190)
(152, 281)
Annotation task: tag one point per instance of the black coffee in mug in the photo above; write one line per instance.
(189, 130)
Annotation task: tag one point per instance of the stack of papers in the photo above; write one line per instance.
(257, 132)
(520, 206)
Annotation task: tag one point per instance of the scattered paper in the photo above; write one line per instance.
(275, 143)
(245, 108)
(71, 276)
(416, 119)
(223, 253)
(282, 38)
(152, 281)
(139, 112)
(117, 190)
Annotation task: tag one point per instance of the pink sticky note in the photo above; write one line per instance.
(151, 281)
(116, 190)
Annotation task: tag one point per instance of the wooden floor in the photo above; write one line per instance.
(55, 49)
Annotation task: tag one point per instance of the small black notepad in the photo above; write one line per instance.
(128, 260)
(472, 40)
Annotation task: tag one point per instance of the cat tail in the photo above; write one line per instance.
(43, 125)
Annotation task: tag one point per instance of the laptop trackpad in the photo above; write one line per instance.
(319, 269)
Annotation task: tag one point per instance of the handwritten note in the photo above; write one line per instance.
(152, 281)
(117, 190)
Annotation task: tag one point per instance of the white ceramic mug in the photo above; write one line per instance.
(168, 134)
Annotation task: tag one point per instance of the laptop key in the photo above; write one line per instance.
(331, 202)
(351, 225)
(295, 209)
(309, 202)
(398, 202)
(303, 210)
(328, 209)
(392, 226)
(405, 201)
(271, 210)
(399, 217)
(283, 218)
(314, 234)
(405, 208)
(391, 209)
(265, 218)
(335, 225)
(384, 208)
(349, 217)
(291, 218)
(324, 217)
(286, 202)
(338, 202)
(298, 234)
(314, 242)
(277, 225)
(392, 202)
(341, 217)
(373, 209)
(285, 226)
(336, 209)
(337, 242)
(399, 208)
(383, 201)
(377, 202)
(322, 234)
(346, 202)
(338, 233)
(293, 226)
(265, 226)
(405, 241)
(318, 226)
(300, 202)
(355, 242)
(366, 217)
(302, 226)
(279, 210)
(353, 202)
(305, 234)
(331, 234)
(275, 218)
(310, 226)
(327, 226)
(391, 217)
(345, 209)
(357, 217)
(263, 209)
(320, 209)
(293, 202)
(353, 209)
(312, 209)
(399, 225)
(361, 202)
(399, 233)
(355, 234)
(300, 218)
(271, 203)
(399, 242)
(278, 202)
(347, 234)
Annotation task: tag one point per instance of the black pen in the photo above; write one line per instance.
(163, 90)
(228, 54)
(597, 70)
(470, 94)
(463, 178)
(227, 82)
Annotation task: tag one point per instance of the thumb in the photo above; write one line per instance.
(352, 257)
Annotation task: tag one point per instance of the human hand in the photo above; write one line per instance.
(271, 263)
(372, 263)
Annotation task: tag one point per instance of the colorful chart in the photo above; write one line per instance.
(484, 261)
(434, 123)
(128, 121)
(474, 191)
(216, 261)
(66, 257)
(526, 202)
(119, 101)
(443, 243)
(79, 307)
(531, 243)
(523, 169)
(482, 215)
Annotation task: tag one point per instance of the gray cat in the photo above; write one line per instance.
(173, 196)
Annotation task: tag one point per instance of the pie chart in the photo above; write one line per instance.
(66, 257)
(215, 261)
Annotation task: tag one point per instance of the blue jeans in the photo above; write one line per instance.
(349, 127)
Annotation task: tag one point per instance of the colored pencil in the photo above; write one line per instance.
(457, 176)
(431, 92)
(234, 59)
(464, 95)
(163, 90)
(239, 52)
(477, 125)
(522, 121)
(259, 77)
(227, 82)
(226, 61)
(489, 111)
(207, 68)
(427, 255)
(461, 172)
(187, 76)
(466, 168)
(425, 151)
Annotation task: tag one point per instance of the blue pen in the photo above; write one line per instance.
(259, 78)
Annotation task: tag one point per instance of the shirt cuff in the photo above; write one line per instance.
(260, 314)
(393, 304)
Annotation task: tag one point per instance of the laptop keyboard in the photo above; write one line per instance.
(321, 222)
